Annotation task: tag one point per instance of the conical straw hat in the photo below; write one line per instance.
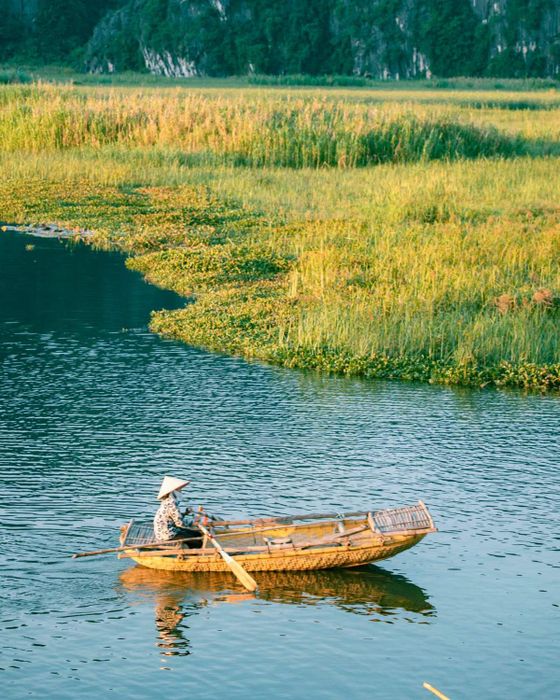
(169, 484)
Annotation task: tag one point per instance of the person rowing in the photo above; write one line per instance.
(169, 524)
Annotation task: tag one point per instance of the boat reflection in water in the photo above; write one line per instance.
(370, 591)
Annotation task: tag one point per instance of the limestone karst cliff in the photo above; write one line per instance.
(376, 38)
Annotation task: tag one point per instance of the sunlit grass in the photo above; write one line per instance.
(284, 129)
(437, 270)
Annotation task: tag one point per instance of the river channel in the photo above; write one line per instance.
(94, 410)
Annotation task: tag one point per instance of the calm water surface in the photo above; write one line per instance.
(94, 410)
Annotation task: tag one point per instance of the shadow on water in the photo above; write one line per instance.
(58, 286)
(370, 591)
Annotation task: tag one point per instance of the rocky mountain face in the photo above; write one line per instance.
(376, 38)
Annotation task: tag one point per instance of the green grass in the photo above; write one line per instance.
(66, 75)
(393, 259)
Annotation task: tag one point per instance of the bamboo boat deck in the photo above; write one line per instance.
(287, 543)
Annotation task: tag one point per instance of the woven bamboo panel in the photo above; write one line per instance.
(296, 560)
(401, 519)
(139, 533)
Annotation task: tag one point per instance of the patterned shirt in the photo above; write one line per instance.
(168, 519)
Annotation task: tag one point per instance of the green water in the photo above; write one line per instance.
(94, 410)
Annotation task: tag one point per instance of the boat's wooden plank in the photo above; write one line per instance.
(333, 538)
(210, 552)
(293, 528)
(287, 519)
(416, 531)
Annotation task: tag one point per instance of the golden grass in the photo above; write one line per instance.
(267, 129)
(433, 270)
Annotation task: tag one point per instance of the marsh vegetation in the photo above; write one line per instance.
(386, 233)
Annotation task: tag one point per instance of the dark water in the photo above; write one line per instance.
(94, 410)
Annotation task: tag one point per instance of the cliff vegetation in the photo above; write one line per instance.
(381, 39)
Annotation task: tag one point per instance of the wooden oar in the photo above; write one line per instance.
(170, 543)
(133, 546)
(246, 579)
(435, 691)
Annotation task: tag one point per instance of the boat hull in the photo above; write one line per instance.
(332, 557)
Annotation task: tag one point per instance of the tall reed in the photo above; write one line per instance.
(288, 132)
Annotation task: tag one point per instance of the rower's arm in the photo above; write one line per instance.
(188, 517)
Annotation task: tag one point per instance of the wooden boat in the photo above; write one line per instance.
(286, 543)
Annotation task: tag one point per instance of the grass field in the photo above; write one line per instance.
(405, 232)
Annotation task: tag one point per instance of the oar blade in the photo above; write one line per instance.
(244, 577)
(236, 568)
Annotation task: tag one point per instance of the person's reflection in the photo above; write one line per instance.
(169, 616)
(177, 597)
(174, 602)
(170, 611)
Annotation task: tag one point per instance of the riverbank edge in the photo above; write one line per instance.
(242, 318)
(49, 231)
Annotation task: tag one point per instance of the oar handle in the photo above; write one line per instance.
(208, 534)
(132, 546)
